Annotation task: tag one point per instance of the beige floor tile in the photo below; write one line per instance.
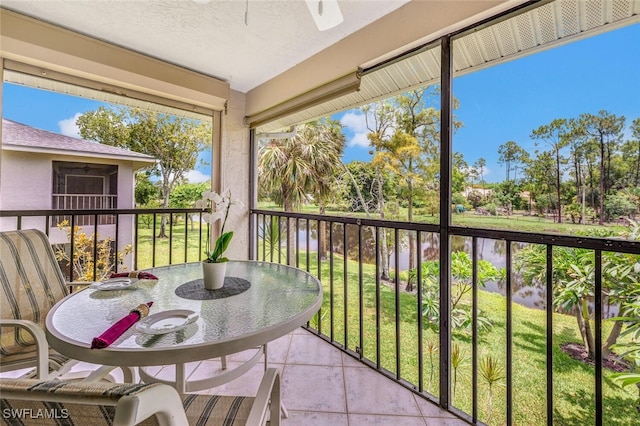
(244, 355)
(278, 349)
(311, 350)
(369, 392)
(433, 421)
(372, 419)
(349, 361)
(313, 388)
(247, 384)
(314, 418)
(430, 409)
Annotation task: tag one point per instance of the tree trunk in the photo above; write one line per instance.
(163, 220)
(582, 315)
(636, 180)
(612, 339)
(290, 253)
(322, 236)
(412, 243)
(602, 177)
(558, 182)
(384, 251)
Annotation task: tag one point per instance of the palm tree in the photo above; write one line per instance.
(300, 169)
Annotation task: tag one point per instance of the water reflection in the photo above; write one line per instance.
(361, 241)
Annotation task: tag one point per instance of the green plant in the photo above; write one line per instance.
(461, 275)
(457, 358)
(83, 259)
(492, 372)
(432, 348)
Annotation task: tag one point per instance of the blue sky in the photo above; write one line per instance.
(498, 104)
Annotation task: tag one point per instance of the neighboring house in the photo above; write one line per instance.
(42, 170)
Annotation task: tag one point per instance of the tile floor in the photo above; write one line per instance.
(321, 386)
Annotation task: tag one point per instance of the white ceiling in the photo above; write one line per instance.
(211, 37)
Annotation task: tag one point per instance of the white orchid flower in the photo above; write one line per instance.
(201, 204)
(216, 216)
(206, 195)
(215, 197)
(238, 203)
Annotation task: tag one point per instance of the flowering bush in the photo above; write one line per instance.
(219, 206)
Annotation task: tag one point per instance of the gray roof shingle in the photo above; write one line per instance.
(16, 135)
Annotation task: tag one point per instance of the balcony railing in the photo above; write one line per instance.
(85, 202)
(134, 237)
(379, 313)
(419, 342)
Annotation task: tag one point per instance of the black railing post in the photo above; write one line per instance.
(378, 257)
(419, 312)
(549, 355)
(446, 104)
(597, 293)
(509, 331)
(474, 329)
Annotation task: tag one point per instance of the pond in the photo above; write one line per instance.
(493, 251)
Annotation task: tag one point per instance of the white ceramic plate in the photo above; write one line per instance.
(166, 322)
(113, 284)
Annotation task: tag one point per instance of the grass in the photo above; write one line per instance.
(146, 248)
(518, 221)
(574, 383)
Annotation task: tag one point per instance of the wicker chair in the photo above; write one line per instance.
(31, 282)
(83, 403)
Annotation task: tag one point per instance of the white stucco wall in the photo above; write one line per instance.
(26, 184)
(235, 173)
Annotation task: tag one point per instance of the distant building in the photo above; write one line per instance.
(42, 170)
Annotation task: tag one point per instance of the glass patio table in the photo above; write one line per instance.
(272, 301)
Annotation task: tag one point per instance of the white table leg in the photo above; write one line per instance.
(181, 382)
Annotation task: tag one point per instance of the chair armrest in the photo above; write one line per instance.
(162, 401)
(133, 402)
(267, 398)
(42, 346)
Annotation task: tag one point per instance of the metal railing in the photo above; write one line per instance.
(367, 304)
(135, 238)
(85, 202)
(369, 311)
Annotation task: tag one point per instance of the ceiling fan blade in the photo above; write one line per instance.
(325, 13)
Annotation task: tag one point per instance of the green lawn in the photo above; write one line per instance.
(146, 248)
(518, 221)
(573, 381)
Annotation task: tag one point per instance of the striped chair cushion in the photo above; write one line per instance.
(27, 359)
(30, 284)
(202, 410)
(39, 411)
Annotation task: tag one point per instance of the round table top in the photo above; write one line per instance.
(280, 299)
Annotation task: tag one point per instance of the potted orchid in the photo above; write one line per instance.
(214, 265)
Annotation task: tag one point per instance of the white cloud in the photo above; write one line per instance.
(196, 176)
(68, 127)
(357, 125)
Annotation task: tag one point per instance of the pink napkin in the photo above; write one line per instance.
(117, 329)
(135, 274)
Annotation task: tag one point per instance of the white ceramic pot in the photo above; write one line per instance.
(213, 274)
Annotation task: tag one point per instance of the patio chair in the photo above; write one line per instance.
(31, 282)
(102, 403)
